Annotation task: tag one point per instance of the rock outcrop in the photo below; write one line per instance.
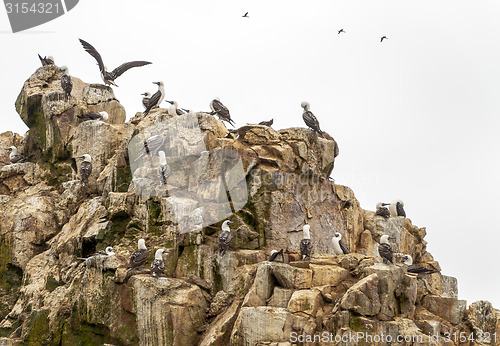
(50, 221)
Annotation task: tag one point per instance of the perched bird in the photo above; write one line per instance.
(109, 77)
(138, 257)
(305, 243)
(48, 60)
(156, 99)
(341, 30)
(221, 111)
(151, 146)
(163, 169)
(275, 254)
(267, 123)
(93, 260)
(85, 168)
(384, 249)
(14, 157)
(246, 15)
(66, 83)
(225, 238)
(157, 266)
(382, 210)
(107, 252)
(396, 208)
(338, 245)
(383, 38)
(145, 99)
(173, 108)
(415, 268)
(94, 116)
(309, 118)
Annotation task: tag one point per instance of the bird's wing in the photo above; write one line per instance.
(385, 251)
(225, 238)
(384, 212)
(273, 256)
(219, 107)
(400, 210)
(126, 66)
(418, 269)
(18, 159)
(90, 116)
(153, 100)
(311, 120)
(85, 169)
(305, 247)
(344, 248)
(92, 51)
(138, 257)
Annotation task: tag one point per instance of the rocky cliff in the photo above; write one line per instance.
(49, 221)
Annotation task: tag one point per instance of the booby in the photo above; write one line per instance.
(48, 60)
(101, 255)
(224, 238)
(382, 210)
(415, 268)
(157, 266)
(14, 157)
(145, 99)
(396, 208)
(151, 146)
(305, 243)
(341, 30)
(221, 111)
(383, 38)
(309, 118)
(85, 168)
(109, 77)
(107, 252)
(163, 169)
(138, 257)
(384, 249)
(156, 99)
(267, 123)
(275, 254)
(338, 245)
(66, 83)
(94, 116)
(246, 15)
(173, 108)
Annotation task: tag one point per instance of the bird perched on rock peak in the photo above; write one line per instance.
(109, 77)
(338, 245)
(267, 123)
(305, 243)
(224, 237)
(14, 157)
(384, 249)
(157, 266)
(382, 210)
(415, 268)
(103, 115)
(48, 60)
(157, 98)
(85, 168)
(221, 111)
(66, 82)
(309, 118)
(396, 208)
(138, 257)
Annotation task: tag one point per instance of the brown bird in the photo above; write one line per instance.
(382, 210)
(384, 249)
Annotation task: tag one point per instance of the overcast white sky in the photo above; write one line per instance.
(416, 117)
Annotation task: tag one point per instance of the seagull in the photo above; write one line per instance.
(383, 38)
(396, 208)
(384, 249)
(305, 243)
(66, 83)
(156, 99)
(48, 60)
(94, 116)
(221, 111)
(151, 146)
(309, 118)
(338, 245)
(163, 169)
(109, 77)
(415, 268)
(138, 257)
(341, 30)
(275, 254)
(157, 266)
(173, 108)
(224, 238)
(145, 99)
(14, 157)
(267, 123)
(382, 210)
(85, 168)
(246, 15)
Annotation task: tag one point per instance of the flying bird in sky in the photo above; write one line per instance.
(109, 77)
(383, 38)
(341, 30)
(246, 15)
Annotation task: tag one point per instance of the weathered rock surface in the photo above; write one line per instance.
(50, 221)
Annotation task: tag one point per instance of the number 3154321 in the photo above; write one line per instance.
(37, 7)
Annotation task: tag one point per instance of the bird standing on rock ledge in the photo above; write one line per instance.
(224, 238)
(85, 168)
(384, 249)
(14, 157)
(66, 83)
(157, 266)
(305, 243)
(309, 118)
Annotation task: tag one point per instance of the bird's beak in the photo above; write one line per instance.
(171, 102)
(157, 83)
(165, 251)
(230, 222)
(81, 157)
(9, 149)
(393, 238)
(144, 94)
(384, 204)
